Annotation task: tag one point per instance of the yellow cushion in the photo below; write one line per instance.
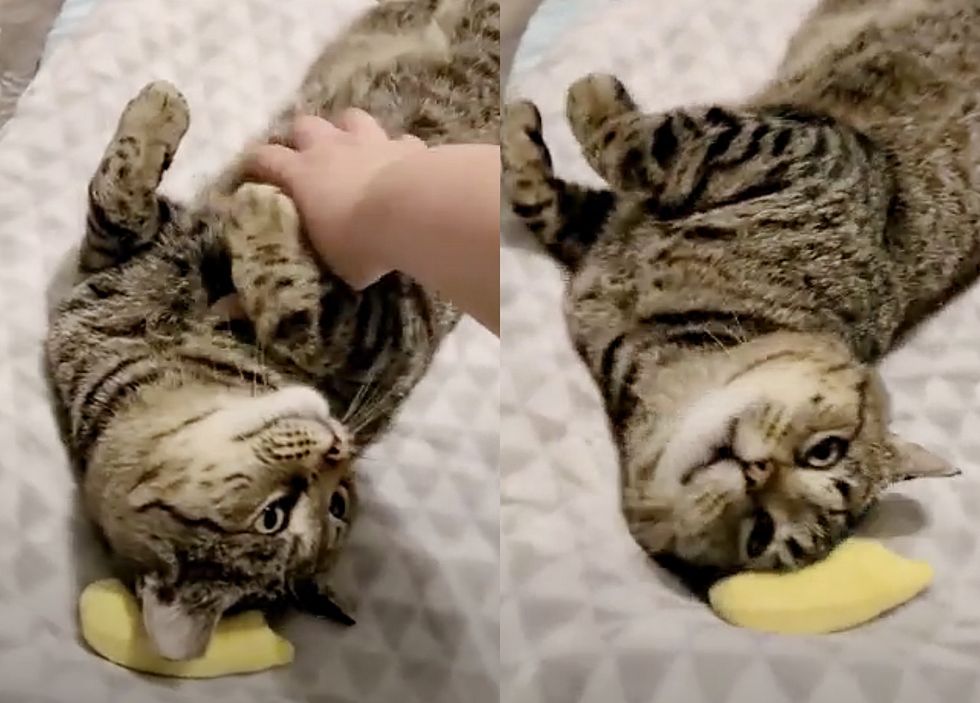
(112, 626)
(857, 582)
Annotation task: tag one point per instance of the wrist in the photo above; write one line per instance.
(375, 216)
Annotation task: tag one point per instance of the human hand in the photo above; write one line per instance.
(330, 174)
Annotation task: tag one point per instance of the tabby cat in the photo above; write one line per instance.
(733, 285)
(217, 452)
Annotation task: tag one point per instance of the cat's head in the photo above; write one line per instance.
(218, 500)
(771, 463)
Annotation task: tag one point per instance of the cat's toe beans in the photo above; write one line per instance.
(161, 111)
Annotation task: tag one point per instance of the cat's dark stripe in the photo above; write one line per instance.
(148, 475)
(584, 213)
(415, 296)
(781, 141)
(103, 287)
(101, 223)
(774, 181)
(665, 143)
(621, 407)
(634, 169)
(330, 310)
(747, 322)
(703, 338)
(193, 420)
(794, 113)
(102, 246)
(531, 209)
(108, 375)
(193, 522)
(721, 117)
(752, 149)
(92, 424)
(365, 330)
(710, 233)
(122, 328)
(722, 143)
(373, 339)
(609, 355)
(234, 371)
(819, 146)
(687, 204)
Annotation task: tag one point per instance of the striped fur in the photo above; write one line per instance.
(765, 255)
(215, 445)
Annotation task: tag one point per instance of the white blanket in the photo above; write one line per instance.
(424, 555)
(586, 617)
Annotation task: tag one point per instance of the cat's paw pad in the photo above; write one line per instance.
(595, 99)
(158, 114)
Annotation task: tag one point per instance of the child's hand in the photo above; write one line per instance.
(329, 174)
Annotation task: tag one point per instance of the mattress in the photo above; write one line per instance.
(585, 616)
(423, 559)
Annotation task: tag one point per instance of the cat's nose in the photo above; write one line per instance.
(757, 474)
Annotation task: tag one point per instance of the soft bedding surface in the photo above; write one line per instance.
(586, 617)
(423, 564)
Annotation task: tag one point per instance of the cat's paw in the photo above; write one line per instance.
(158, 115)
(526, 160)
(261, 215)
(594, 100)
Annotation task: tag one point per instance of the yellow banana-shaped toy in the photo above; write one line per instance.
(857, 582)
(112, 626)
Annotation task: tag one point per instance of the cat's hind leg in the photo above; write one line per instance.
(567, 218)
(124, 211)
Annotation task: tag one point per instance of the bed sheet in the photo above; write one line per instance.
(586, 617)
(423, 560)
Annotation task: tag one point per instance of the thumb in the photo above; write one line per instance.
(274, 164)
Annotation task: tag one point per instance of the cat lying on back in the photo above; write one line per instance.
(217, 453)
(734, 284)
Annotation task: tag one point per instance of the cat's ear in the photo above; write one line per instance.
(911, 460)
(317, 598)
(177, 629)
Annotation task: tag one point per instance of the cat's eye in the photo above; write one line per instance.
(274, 517)
(338, 503)
(825, 452)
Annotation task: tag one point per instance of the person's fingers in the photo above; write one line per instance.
(361, 124)
(411, 139)
(273, 164)
(307, 130)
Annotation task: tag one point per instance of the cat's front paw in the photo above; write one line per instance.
(263, 214)
(526, 160)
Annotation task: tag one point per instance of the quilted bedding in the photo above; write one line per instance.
(423, 562)
(585, 617)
